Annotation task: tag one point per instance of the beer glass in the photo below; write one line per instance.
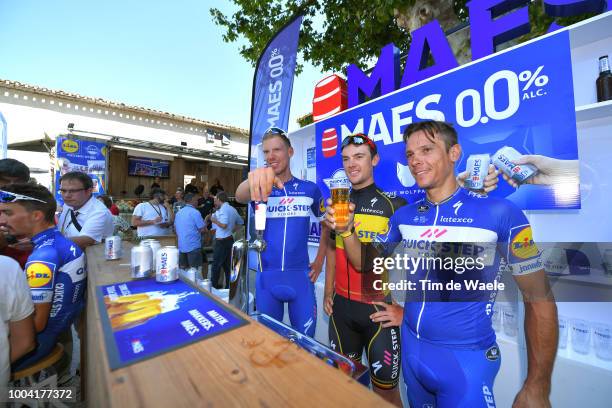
(340, 201)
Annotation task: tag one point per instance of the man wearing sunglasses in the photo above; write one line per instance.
(449, 353)
(55, 270)
(84, 219)
(286, 276)
(362, 317)
(14, 171)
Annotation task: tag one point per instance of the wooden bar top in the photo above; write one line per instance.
(248, 366)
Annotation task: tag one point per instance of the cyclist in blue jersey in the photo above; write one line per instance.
(286, 275)
(449, 354)
(56, 270)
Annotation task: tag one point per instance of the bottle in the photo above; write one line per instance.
(604, 81)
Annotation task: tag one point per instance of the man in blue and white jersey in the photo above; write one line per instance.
(449, 354)
(55, 270)
(286, 276)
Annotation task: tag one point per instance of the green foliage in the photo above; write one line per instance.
(334, 32)
(340, 32)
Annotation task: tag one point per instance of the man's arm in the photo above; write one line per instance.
(330, 276)
(139, 222)
(258, 186)
(22, 337)
(317, 265)
(541, 335)
(83, 241)
(41, 315)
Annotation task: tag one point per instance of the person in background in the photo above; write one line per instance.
(85, 220)
(17, 333)
(189, 226)
(14, 171)
(173, 198)
(224, 221)
(119, 224)
(178, 202)
(206, 203)
(192, 187)
(152, 218)
(155, 183)
(216, 187)
(56, 270)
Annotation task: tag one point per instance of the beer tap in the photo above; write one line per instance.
(239, 282)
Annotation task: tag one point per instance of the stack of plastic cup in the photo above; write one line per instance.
(581, 336)
(602, 340)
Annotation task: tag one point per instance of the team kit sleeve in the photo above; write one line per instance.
(41, 270)
(517, 244)
(387, 240)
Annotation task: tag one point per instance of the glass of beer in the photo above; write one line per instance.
(340, 201)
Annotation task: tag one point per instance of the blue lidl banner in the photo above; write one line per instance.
(522, 98)
(273, 84)
(142, 319)
(86, 156)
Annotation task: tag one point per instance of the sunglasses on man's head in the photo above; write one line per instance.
(6, 197)
(275, 131)
(359, 139)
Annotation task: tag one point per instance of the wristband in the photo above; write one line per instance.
(347, 234)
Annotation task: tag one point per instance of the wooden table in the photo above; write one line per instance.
(224, 371)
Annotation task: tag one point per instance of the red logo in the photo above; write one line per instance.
(329, 142)
(330, 97)
(287, 200)
(433, 232)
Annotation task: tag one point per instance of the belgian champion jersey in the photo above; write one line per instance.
(372, 212)
(468, 221)
(288, 224)
(57, 274)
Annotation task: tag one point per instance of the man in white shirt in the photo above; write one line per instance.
(84, 219)
(17, 334)
(152, 218)
(224, 222)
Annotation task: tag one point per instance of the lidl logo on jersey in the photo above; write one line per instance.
(70, 146)
(279, 207)
(39, 274)
(522, 245)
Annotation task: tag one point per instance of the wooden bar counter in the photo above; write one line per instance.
(226, 370)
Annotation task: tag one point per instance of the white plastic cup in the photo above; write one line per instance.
(563, 331)
(510, 321)
(602, 340)
(581, 336)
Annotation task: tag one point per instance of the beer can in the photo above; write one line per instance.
(478, 168)
(505, 159)
(112, 248)
(166, 264)
(155, 245)
(141, 262)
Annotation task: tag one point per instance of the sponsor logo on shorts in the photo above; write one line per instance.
(492, 353)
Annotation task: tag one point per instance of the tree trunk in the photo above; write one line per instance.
(422, 12)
